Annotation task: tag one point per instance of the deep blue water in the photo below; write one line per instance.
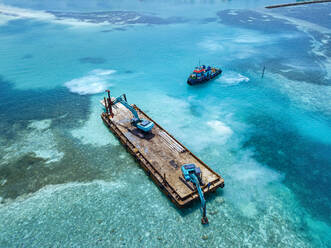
(66, 181)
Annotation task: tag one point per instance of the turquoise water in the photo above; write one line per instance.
(66, 181)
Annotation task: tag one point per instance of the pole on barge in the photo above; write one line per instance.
(106, 105)
(109, 103)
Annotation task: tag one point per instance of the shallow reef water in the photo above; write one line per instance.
(66, 181)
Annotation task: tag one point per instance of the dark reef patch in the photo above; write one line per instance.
(119, 29)
(315, 13)
(107, 31)
(26, 173)
(254, 20)
(23, 105)
(92, 60)
(305, 162)
(208, 20)
(21, 26)
(81, 163)
(27, 56)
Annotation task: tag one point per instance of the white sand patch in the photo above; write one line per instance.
(211, 45)
(94, 82)
(3, 182)
(4, 19)
(308, 96)
(240, 44)
(40, 125)
(220, 128)
(25, 13)
(8, 13)
(254, 39)
(232, 12)
(319, 50)
(94, 131)
(249, 181)
(249, 209)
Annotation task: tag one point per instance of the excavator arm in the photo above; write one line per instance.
(193, 174)
(195, 180)
(122, 100)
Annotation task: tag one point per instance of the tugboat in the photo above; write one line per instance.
(202, 74)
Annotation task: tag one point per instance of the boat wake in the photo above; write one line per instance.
(232, 78)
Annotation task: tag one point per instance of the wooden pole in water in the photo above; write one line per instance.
(263, 72)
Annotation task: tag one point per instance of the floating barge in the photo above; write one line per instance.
(160, 155)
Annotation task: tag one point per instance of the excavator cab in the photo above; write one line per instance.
(188, 169)
(145, 125)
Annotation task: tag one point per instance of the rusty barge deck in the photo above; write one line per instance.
(161, 156)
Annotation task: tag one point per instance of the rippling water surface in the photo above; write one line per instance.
(66, 181)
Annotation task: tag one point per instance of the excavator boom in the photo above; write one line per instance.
(141, 124)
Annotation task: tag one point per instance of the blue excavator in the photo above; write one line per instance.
(141, 124)
(192, 174)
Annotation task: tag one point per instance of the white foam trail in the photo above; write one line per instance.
(232, 78)
(94, 82)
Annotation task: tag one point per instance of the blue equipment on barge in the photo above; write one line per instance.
(192, 174)
(202, 74)
(141, 124)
